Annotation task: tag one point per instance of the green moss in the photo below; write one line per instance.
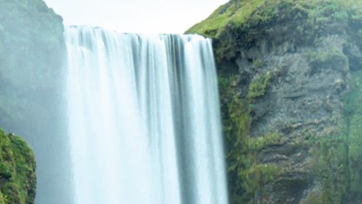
(11, 190)
(2, 199)
(332, 56)
(6, 170)
(250, 13)
(336, 158)
(258, 85)
(314, 198)
(328, 167)
(258, 143)
(229, 14)
(353, 112)
(17, 170)
(246, 174)
(256, 176)
(257, 64)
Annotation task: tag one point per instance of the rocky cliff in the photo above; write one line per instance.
(17, 170)
(31, 75)
(290, 79)
(31, 49)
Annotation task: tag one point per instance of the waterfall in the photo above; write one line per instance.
(144, 121)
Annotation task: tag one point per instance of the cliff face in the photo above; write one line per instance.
(31, 49)
(31, 75)
(17, 170)
(290, 76)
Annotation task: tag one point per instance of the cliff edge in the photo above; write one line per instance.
(290, 74)
(32, 53)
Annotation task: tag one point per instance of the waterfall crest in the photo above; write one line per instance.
(144, 119)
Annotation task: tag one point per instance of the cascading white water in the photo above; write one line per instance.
(144, 119)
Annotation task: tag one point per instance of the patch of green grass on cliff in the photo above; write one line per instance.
(353, 112)
(249, 13)
(17, 170)
(227, 14)
(328, 165)
(332, 56)
(246, 174)
(336, 159)
(258, 85)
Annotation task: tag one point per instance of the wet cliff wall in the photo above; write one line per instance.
(290, 84)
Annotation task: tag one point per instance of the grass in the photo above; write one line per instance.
(250, 13)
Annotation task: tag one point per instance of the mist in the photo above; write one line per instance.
(142, 16)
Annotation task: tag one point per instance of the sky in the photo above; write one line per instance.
(136, 16)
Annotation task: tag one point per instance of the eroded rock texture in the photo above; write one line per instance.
(289, 80)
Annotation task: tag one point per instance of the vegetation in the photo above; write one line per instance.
(335, 151)
(246, 14)
(328, 167)
(230, 14)
(258, 85)
(337, 158)
(17, 170)
(353, 147)
(32, 52)
(324, 58)
(247, 175)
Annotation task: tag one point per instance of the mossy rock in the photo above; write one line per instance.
(249, 38)
(258, 86)
(247, 14)
(240, 25)
(17, 170)
(326, 58)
